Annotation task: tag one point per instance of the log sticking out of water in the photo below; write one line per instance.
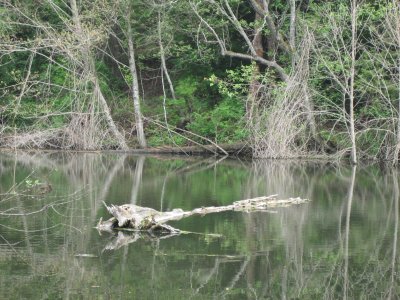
(148, 219)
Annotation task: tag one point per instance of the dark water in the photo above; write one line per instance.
(343, 244)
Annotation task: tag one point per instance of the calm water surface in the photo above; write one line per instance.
(343, 244)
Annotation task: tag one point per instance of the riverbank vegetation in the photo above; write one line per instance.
(292, 78)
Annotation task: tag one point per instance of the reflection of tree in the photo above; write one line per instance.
(335, 266)
(283, 178)
(347, 232)
(80, 182)
(137, 179)
(343, 243)
(394, 267)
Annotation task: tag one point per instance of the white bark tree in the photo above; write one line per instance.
(392, 23)
(338, 57)
(292, 29)
(381, 59)
(135, 84)
(162, 53)
(352, 77)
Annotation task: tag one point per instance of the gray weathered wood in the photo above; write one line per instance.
(149, 219)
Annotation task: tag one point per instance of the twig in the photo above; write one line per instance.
(192, 133)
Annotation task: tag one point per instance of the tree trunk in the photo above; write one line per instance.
(107, 113)
(396, 156)
(259, 49)
(292, 29)
(135, 89)
(397, 34)
(162, 56)
(352, 77)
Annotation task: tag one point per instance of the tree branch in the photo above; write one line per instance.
(273, 64)
(264, 12)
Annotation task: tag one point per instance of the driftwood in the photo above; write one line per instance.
(137, 218)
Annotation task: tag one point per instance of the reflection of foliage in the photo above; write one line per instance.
(294, 252)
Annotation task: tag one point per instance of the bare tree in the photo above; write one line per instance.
(89, 66)
(396, 32)
(135, 85)
(392, 25)
(279, 130)
(162, 50)
(89, 124)
(352, 77)
(164, 69)
(381, 54)
(334, 47)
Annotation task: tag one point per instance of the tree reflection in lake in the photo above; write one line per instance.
(343, 244)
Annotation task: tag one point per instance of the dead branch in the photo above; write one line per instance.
(151, 220)
(174, 130)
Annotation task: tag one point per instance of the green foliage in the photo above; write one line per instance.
(187, 87)
(210, 88)
(236, 82)
(21, 110)
(159, 138)
(196, 111)
(32, 183)
(224, 123)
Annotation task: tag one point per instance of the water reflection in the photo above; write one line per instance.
(341, 245)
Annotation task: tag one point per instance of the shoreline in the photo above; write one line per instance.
(236, 149)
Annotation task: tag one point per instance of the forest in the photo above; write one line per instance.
(287, 78)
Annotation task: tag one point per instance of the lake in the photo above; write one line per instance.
(343, 244)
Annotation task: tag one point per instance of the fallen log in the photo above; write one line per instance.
(237, 149)
(148, 219)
